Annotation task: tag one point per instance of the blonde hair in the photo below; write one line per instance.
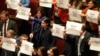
(11, 32)
(23, 35)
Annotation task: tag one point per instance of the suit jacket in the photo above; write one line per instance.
(84, 47)
(72, 45)
(43, 38)
(7, 53)
(72, 42)
(11, 25)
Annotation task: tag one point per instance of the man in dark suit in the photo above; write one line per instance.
(82, 45)
(6, 23)
(78, 45)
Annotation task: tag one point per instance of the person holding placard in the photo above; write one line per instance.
(23, 15)
(47, 6)
(23, 37)
(60, 16)
(6, 23)
(10, 35)
(36, 22)
(24, 27)
(82, 45)
(19, 41)
(77, 4)
(75, 7)
(90, 27)
(78, 45)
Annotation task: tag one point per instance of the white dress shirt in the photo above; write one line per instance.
(79, 44)
(6, 27)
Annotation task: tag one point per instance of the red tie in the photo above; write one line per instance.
(5, 29)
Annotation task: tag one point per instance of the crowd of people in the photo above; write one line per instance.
(41, 30)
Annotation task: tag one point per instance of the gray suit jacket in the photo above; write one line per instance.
(11, 25)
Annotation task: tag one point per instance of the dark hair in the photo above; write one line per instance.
(41, 10)
(76, 4)
(94, 2)
(83, 28)
(4, 12)
(55, 51)
(43, 50)
(47, 21)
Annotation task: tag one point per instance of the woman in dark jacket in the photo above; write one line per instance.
(43, 36)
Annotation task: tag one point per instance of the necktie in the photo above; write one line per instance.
(5, 29)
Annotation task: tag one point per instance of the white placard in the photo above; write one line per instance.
(45, 3)
(63, 3)
(95, 44)
(13, 4)
(23, 13)
(9, 44)
(92, 16)
(26, 48)
(58, 30)
(74, 14)
(73, 28)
